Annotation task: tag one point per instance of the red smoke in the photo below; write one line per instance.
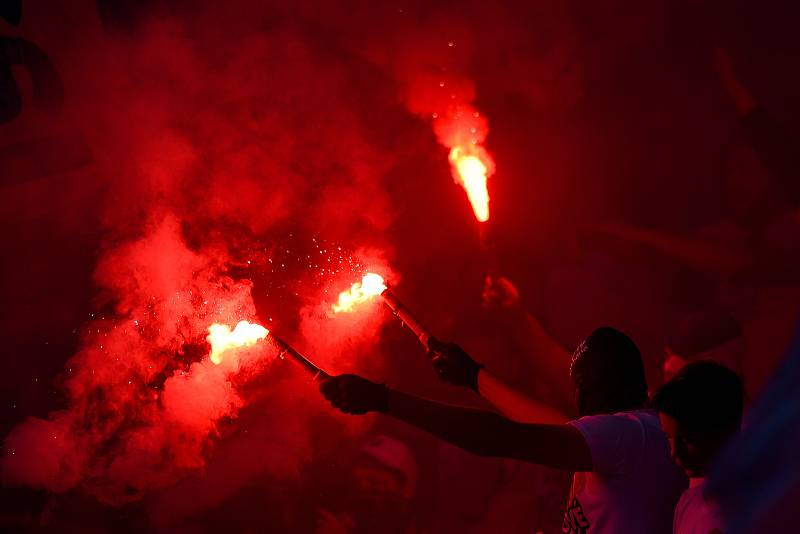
(210, 146)
(142, 398)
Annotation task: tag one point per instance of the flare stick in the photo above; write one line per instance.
(402, 313)
(309, 366)
(489, 247)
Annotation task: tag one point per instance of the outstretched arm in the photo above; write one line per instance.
(489, 434)
(479, 432)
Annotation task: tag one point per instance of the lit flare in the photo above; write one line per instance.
(223, 339)
(471, 168)
(371, 286)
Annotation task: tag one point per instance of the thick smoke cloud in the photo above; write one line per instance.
(142, 400)
(211, 140)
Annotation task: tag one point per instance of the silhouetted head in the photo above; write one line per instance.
(700, 408)
(608, 374)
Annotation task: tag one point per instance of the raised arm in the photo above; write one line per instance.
(514, 404)
(545, 355)
(455, 366)
(479, 432)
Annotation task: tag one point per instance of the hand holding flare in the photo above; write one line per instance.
(453, 365)
(371, 286)
(246, 334)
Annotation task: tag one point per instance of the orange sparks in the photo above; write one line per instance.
(370, 286)
(472, 165)
(222, 338)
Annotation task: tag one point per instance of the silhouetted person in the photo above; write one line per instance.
(700, 410)
(624, 480)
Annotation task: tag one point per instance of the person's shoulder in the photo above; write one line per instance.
(627, 418)
(617, 441)
(640, 413)
(647, 416)
(650, 426)
(633, 423)
(640, 417)
(644, 417)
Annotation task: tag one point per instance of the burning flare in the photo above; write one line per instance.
(370, 286)
(472, 165)
(222, 338)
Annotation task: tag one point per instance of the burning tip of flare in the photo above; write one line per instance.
(222, 338)
(471, 168)
(371, 285)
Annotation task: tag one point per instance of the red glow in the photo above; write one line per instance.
(371, 286)
(463, 130)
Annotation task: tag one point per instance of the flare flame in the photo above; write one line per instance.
(371, 286)
(472, 165)
(223, 339)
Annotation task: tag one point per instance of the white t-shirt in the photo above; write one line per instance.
(695, 515)
(634, 485)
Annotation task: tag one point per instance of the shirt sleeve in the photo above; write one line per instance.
(616, 442)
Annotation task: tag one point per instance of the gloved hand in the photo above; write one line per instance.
(354, 395)
(453, 365)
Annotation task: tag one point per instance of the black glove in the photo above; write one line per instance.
(453, 365)
(354, 395)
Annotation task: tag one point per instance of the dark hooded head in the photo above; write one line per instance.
(700, 409)
(608, 374)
